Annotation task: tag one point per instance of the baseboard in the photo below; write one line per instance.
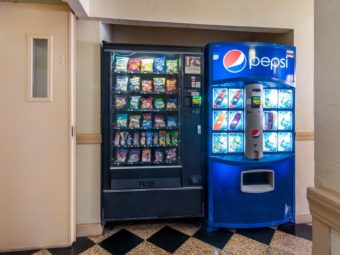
(35, 247)
(303, 218)
(91, 229)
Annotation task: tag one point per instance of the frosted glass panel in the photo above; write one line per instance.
(39, 68)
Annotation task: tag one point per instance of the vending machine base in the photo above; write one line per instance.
(251, 194)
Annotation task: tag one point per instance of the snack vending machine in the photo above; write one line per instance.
(251, 88)
(152, 132)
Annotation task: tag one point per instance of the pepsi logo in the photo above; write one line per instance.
(234, 61)
(255, 133)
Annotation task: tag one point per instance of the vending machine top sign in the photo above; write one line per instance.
(253, 61)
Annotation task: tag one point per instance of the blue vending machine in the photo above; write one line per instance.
(251, 159)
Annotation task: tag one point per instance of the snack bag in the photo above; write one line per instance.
(147, 121)
(134, 84)
(117, 139)
(171, 104)
(159, 157)
(134, 64)
(129, 139)
(174, 138)
(121, 120)
(171, 86)
(142, 139)
(121, 64)
(134, 155)
(159, 121)
(136, 138)
(170, 155)
(123, 138)
(146, 86)
(121, 155)
(155, 138)
(121, 83)
(134, 102)
(149, 137)
(159, 85)
(171, 122)
(146, 103)
(172, 65)
(120, 102)
(159, 65)
(159, 103)
(162, 135)
(134, 121)
(167, 138)
(146, 155)
(147, 65)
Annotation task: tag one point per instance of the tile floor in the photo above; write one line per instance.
(189, 238)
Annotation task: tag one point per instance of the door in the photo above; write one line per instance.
(36, 142)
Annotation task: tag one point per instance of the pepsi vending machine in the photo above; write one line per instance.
(251, 159)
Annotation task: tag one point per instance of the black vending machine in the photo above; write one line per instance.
(152, 132)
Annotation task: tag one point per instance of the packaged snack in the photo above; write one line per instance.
(171, 122)
(192, 64)
(121, 64)
(159, 103)
(170, 155)
(121, 83)
(171, 86)
(129, 139)
(174, 138)
(134, 121)
(147, 65)
(147, 121)
(171, 104)
(159, 121)
(155, 138)
(146, 103)
(146, 85)
(162, 135)
(121, 155)
(146, 155)
(120, 102)
(117, 139)
(121, 120)
(172, 65)
(134, 102)
(123, 138)
(159, 65)
(142, 139)
(149, 137)
(136, 138)
(167, 138)
(134, 155)
(159, 157)
(134, 64)
(159, 85)
(134, 84)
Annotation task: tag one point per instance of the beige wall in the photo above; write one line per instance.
(264, 15)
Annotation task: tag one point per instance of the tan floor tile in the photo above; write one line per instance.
(42, 252)
(185, 228)
(95, 250)
(292, 244)
(240, 245)
(194, 246)
(146, 248)
(106, 233)
(275, 251)
(145, 230)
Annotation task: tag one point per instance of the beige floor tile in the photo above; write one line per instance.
(42, 252)
(106, 233)
(186, 228)
(95, 250)
(146, 248)
(194, 246)
(240, 245)
(145, 230)
(292, 244)
(275, 251)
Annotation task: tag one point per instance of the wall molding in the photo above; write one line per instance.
(304, 136)
(91, 138)
(90, 229)
(303, 218)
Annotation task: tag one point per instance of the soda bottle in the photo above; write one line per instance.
(235, 99)
(219, 143)
(269, 120)
(285, 100)
(220, 120)
(220, 97)
(285, 145)
(235, 144)
(235, 121)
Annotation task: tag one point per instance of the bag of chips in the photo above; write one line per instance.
(155, 138)
(167, 138)
(171, 104)
(172, 65)
(174, 138)
(159, 85)
(159, 65)
(121, 83)
(129, 140)
(146, 86)
(142, 139)
(121, 120)
(171, 86)
(149, 137)
(136, 138)
(147, 65)
(134, 102)
(123, 138)
(117, 139)
(146, 103)
(146, 155)
(162, 135)
(120, 102)
(159, 103)
(121, 155)
(159, 121)
(134, 84)
(147, 121)
(134, 121)
(159, 157)
(134, 155)
(134, 64)
(170, 155)
(171, 122)
(121, 64)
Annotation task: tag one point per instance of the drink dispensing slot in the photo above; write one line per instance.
(257, 181)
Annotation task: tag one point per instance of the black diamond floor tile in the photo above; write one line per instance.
(81, 245)
(121, 242)
(300, 230)
(168, 239)
(218, 238)
(262, 235)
